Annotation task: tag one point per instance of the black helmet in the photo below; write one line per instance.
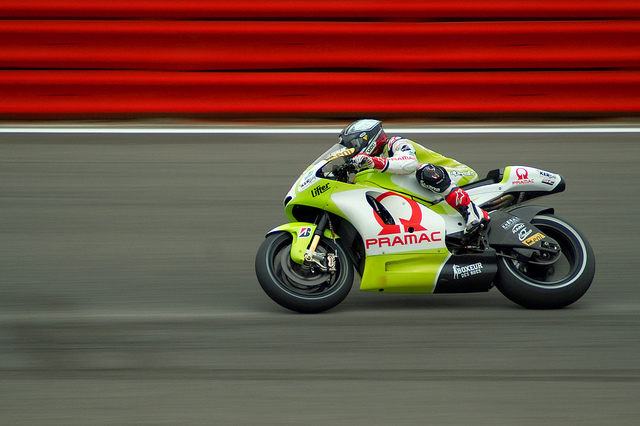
(365, 136)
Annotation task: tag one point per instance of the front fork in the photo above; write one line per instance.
(326, 262)
(306, 237)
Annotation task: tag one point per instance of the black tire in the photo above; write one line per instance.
(299, 288)
(558, 285)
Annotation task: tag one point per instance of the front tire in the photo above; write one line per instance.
(297, 287)
(554, 286)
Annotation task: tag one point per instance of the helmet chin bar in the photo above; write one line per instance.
(376, 145)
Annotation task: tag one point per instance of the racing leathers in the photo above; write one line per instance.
(399, 157)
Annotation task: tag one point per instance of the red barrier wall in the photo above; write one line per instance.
(90, 94)
(77, 59)
(345, 10)
(180, 45)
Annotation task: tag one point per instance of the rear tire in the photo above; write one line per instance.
(555, 286)
(299, 288)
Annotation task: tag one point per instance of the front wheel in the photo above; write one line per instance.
(302, 288)
(550, 286)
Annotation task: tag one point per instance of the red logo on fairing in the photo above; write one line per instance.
(412, 222)
(411, 228)
(522, 173)
(523, 177)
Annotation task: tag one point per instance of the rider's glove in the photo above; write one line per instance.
(365, 161)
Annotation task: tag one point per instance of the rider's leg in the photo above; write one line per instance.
(436, 179)
(473, 215)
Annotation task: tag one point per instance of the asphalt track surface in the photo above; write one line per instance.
(128, 295)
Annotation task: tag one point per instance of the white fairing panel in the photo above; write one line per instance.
(532, 179)
(517, 179)
(416, 227)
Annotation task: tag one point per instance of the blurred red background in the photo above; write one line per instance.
(154, 58)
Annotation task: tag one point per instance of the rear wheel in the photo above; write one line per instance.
(302, 288)
(550, 286)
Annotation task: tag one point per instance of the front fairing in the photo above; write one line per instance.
(416, 227)
(319, 171)
(317, 187)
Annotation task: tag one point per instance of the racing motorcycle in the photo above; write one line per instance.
(401, 238)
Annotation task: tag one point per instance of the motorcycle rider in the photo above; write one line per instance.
(398, 156)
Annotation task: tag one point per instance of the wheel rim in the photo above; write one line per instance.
(302, 280)
(565, 270)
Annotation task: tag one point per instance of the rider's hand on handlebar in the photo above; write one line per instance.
(365, 161)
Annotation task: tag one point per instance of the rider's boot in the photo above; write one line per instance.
(473, 215)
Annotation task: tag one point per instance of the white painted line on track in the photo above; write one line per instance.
(309, 130)
(123, 315)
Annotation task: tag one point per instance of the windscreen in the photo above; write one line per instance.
(335, 156)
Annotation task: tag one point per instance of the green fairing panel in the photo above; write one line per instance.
(506, 174)
(372, 178)
(319, 199)
(302, 234)
(415, 272)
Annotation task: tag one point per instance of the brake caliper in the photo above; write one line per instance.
(324, 262)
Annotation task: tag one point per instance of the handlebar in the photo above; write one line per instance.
(341, 172)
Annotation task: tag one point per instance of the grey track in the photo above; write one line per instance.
(128, 295)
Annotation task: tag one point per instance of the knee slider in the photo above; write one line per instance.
(434, 178)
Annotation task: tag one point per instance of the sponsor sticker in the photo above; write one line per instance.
(318, 190)
(548, 181)
(533, 239)
(307, 180)
(548, 178)
(510, 222)
(304, 232)
(343, 153)
(458, 173)
(522, 231)
(408, 234)
(404, 240)
(523, 177)
(465, 271)
(548, 175)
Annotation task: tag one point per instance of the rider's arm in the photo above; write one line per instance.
(402, 157)
(401, 160)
